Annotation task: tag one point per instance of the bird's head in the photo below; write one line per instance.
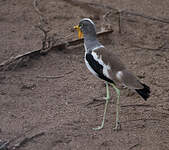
(86, 28)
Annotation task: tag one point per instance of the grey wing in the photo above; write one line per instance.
(111, 59)
(123, 75)
(118, 71)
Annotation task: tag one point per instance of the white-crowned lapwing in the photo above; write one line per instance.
(106, 66)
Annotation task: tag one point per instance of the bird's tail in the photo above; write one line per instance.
(144, 92)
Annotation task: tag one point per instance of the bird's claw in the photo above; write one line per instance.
(98, 128)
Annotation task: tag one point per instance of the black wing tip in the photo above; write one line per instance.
(144, 92)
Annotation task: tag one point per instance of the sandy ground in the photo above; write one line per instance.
(65, 108)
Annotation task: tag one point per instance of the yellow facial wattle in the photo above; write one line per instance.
(80, 34)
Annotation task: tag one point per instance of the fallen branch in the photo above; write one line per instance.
(13, 62)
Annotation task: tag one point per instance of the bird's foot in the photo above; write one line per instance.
(106, 98)
(98, 128)
(117, 127)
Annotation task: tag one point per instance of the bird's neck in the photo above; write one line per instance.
(91, 44)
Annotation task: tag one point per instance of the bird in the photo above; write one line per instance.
(105, 65)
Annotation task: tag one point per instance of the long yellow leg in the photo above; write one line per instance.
(117, 108)
(105, 108)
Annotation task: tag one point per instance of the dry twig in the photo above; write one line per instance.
(120, 23)
(94, 101)
(137, 105)
(51, 77)
(55, 77)
(43, 26)
(4, 145)
(26, 140)
(135, 145)
(142, 119)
